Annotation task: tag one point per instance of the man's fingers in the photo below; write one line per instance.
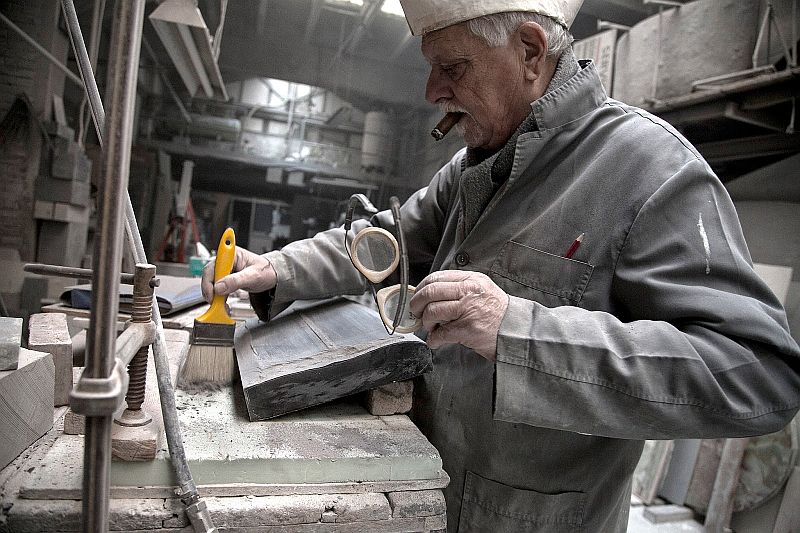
(207, 282)
(238, 280)
(444, 276)
(437, 313)
(436, 291)
(443, 334)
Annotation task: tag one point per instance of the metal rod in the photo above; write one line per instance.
(135, 336)
(196, 508)
(69, 272)
(85, 67)
(794, 33)
(39, 48)
(123, 71)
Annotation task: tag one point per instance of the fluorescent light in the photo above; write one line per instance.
(184, 34)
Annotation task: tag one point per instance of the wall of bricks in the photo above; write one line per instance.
(24, 70)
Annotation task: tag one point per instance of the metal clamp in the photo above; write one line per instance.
(100, 396)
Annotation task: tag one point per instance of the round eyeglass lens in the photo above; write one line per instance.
(390, 308)
(375, 252)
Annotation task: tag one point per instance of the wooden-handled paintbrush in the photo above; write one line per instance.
(210, 359)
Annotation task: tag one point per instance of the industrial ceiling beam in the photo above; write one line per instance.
(718, 152)
(313, 19)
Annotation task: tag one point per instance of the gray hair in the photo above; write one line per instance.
(496, 29)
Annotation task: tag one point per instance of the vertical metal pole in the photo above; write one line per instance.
(196, 508)
(101, 342)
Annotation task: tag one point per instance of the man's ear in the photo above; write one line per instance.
(533, 41)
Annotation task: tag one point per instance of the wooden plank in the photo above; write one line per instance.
(26, 403)
(651, 468)
(317, 352)
(720, 508)
(679, 474)
(705, 471)
(48, 332)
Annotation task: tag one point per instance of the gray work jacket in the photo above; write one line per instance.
(656, 328)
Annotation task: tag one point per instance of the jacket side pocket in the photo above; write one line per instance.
(492, 506)
(532, 274)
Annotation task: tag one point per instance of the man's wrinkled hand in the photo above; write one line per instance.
(461, 307)
(251, 272)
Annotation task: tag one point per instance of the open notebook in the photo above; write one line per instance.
(173, 295)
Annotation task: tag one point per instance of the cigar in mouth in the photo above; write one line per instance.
(445, 125)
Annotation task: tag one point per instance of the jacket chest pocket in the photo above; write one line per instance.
(543, 277)
(492, 506)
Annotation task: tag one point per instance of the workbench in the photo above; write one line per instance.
(334, 468)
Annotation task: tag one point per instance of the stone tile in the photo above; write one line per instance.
(416, 503)
(10, 341)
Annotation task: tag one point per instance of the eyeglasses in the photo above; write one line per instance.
(376, 254)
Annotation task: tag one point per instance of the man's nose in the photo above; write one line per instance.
(437, 88)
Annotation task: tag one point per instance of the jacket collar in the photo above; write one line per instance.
(574, 98)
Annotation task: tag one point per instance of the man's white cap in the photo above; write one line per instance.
(424, 16)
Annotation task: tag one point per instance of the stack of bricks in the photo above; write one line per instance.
(62, 200)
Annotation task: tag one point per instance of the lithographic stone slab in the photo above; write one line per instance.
(314, 353)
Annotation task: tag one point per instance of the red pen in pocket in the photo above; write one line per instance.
(574, 246)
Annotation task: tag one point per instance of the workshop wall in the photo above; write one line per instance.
(25, 71)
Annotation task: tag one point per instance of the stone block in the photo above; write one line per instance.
(413, 503)
(59, 130)
(62, 243)
(10, 341)
(262, 511)
(26, 403)
(65, 191)
(48, 332)
(390, 399)
(61, 212)
(70, 162)
(659, 514)
(35, 516)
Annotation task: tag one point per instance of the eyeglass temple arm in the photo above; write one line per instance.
(351, 207)
(394, 203)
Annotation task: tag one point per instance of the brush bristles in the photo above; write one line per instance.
(209, 365)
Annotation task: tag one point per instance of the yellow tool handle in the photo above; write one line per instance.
(217, 314)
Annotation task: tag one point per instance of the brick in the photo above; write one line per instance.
(10, 340)
(659, 514)
(69, 161)
(48, 332)
(390, 399)
(61, 243)
(43, 210)
(64, 191)
(70, 213)
(413, 503)
(261, 511)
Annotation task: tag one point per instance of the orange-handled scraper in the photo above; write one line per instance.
(217, 314)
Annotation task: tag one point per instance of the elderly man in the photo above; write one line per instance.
(555, 357)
